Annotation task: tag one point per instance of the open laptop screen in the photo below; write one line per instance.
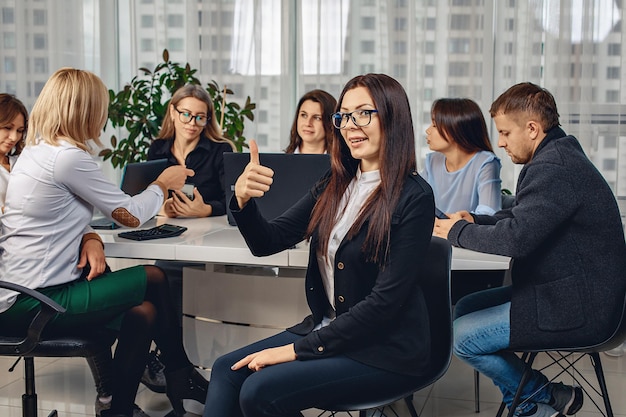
(294, 175)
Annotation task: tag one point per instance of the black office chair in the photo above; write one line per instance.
(567, 358)
(33, 344)
(436, 287)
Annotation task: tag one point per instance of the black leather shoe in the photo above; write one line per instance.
(185, 384)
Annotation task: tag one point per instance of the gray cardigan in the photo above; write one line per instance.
(566, 239)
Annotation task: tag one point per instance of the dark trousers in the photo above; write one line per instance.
(287, 388)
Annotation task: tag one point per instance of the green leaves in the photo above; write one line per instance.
(141, 106)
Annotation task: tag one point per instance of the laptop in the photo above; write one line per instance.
(136, 177)
(294, 175)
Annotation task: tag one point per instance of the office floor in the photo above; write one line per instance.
(66, 385)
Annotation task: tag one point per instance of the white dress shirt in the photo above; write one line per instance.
(357, 193)
(49, 203)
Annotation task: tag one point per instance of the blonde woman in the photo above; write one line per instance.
(54, 187)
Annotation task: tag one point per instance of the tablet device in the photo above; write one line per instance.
(136, 177)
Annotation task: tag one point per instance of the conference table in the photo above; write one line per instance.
(231, 297)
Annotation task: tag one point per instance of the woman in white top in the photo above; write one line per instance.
(13, 118)
(463, 171)
(54, 187)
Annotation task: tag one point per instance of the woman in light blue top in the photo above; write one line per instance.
(463, 172)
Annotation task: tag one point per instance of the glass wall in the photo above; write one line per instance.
(276, 50)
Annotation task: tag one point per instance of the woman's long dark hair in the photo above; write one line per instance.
(397, 161)
(460, 120)
(328, 104)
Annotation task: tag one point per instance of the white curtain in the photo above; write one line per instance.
(276, 50)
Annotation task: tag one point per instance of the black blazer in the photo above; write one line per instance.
(381, 318)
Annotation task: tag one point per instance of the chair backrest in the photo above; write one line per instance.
(436, 288)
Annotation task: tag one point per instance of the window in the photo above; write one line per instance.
(458, 69)
(431, 23)
(428, 94)
(609, 164)
(9, 64)
(176, 44)
(429, 47)
(263, 116)
(614, 49)
(429, 71)
(612, 96)
(39, 41)
(147, 45)
(40, 66)
(610, 142)
(368, 47)
(8, 15)
(175, 20)
(509, 25)
(261, 139)
(459, 46)
(399, 48)
(368, 22)
(399, 71)
(38, 87)
(147, 21)
(508, 48)
(9, 40)
(400, 24)
(613, 73)
(460, 22)
(40, 17)
(461, 2)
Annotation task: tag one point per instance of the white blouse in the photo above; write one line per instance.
(357, 193)
(49, 203)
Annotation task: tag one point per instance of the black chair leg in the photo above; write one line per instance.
(525, 377)
(476, 391)
(597, 366)
(409, 404)
(29, 399)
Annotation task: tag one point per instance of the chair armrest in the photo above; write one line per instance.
(49, 309)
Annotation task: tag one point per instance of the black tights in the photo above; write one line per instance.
(154, 318)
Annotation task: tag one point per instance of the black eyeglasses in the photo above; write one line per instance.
(186, 117)
(360, 118)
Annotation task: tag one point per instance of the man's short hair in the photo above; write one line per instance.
(531, 100)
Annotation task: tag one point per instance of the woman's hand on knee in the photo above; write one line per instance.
(272, 356)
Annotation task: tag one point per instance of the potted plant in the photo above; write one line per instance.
(139, 109)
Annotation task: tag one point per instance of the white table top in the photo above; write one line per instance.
(213, 240)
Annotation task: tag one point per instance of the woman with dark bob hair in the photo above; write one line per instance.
(369, 222)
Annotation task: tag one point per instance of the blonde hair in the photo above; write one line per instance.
(72, 106)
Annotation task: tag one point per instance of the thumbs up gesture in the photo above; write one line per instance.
(255, 180)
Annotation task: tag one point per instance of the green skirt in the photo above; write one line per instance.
(89, 304)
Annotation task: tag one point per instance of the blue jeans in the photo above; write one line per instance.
(287, 388)
(482, 327)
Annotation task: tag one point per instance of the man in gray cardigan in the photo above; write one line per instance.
(566, 239)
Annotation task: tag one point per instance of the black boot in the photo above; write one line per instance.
(185, 384)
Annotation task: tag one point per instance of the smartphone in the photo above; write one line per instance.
(440, 214)
(188, 191)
